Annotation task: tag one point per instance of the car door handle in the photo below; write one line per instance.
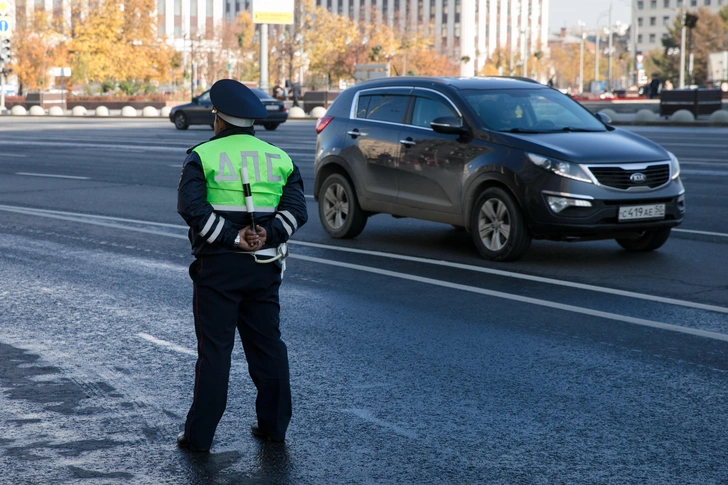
(354, 133)
(409, 142)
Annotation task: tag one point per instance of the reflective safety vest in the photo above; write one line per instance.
(268, 168)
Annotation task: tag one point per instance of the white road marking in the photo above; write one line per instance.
(367, 416)
(164, 343)
(88, 219)
(716, 173)
(52, 176)
(104, 146)
(522, 299)
(703, 233)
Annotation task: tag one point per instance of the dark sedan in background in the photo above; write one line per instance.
(199, 111)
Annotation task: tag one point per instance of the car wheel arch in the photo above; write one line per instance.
(505, 180)
(329, 166)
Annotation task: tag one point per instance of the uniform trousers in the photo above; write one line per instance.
(232, 291)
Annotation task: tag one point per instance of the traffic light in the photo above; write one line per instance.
(5, 51)
(690, 20)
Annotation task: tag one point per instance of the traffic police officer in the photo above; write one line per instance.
(237, 270)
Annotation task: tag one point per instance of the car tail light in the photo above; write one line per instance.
(284, 109)
(322, 123)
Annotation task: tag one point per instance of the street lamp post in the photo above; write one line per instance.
(581, 64)
(610, 86)
(596, 56)
(682, 51)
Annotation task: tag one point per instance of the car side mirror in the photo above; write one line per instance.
(448, 125)
(195, 100)
(603, 118)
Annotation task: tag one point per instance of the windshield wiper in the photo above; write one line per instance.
(573, 129)
(519, 130)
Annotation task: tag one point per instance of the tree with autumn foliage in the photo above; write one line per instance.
(38, 45)
(116, 44)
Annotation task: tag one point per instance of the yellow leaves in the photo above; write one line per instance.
(112, 43)
(37, 47)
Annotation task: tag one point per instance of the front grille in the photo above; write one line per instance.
(619, 177)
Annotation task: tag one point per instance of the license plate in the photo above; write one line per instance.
(635, 212)
(272, 107)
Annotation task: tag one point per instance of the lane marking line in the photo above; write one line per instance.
(368, 416)
(704, 233)
(164, 343)
(471, 289)
(76, 217)
(520, 299)
(537, 279)
(50, 175)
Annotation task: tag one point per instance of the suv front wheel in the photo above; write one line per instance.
(339, 209)
(499, 230)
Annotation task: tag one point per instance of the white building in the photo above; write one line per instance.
(472, 28)
(655, 16)
(461, 28)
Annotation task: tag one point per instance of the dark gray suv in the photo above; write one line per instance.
(508, 159)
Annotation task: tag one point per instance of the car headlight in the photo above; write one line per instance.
(559, 167)
(674, 166)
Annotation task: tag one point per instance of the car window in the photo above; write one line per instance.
(530, 110)
(204, 98)
(426, 110)
(382, 107)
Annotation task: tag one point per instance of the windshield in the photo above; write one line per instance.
(530, 111)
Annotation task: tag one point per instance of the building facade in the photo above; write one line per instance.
(654, 17)
(471, 29)
(462, 29)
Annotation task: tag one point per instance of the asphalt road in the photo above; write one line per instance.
(413, 360)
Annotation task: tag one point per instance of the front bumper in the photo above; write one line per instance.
(600, 220)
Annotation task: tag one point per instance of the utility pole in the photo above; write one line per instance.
(682, 51)
(610, 88)
(581, 64)
(634, 42)
(5, 58)
(596, 55)
(263, 57)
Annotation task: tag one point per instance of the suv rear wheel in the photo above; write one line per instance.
(339, 209)
(499, 230)
(647, 241)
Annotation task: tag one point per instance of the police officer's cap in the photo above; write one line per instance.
(235, 103)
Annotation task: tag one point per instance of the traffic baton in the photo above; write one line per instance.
(247, 193)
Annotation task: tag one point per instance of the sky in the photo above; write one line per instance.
(567, 13)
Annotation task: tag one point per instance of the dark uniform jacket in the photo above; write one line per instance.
(192, 205)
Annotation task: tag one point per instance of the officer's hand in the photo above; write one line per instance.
(251, 241)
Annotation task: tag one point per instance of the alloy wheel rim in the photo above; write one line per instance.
(494, 224)
(336, 206)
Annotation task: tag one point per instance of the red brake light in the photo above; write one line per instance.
(322, 123)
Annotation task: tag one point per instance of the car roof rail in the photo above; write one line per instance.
(522, 78)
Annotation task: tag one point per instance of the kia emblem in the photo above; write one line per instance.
(638, 178)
